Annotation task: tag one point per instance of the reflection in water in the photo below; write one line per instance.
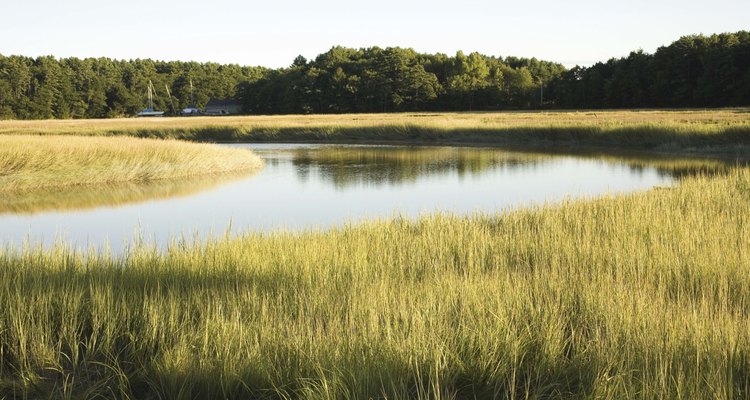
(79, 198)
(381, 165)
(315, 186)
(666, 165)
(678, 168)
(345, 166)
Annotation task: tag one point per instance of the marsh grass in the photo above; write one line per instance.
(644, 295)
(662, 130)
(30, 163)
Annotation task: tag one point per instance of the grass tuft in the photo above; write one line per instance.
(29, 163)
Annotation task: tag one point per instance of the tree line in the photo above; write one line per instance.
(694, 71)
(46, 87)
(396, 79)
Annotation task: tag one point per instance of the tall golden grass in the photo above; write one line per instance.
(716, 130)
(37, 162)
(645, 295)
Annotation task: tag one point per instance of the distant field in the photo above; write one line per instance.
(682, 130)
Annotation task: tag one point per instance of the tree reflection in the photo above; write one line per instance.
(345, 166)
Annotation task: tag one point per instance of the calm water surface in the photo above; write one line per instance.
(308, 186)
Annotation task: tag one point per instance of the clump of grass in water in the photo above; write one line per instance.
(642, 295)
(35, 162)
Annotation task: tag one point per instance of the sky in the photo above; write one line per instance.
(273, 32)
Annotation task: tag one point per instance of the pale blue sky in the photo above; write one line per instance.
(272, 33)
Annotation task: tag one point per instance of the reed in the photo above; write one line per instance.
(645, 295)
(30, 163)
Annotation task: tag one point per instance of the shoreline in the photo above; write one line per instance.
(713, 133)
(741, 153)
(33, 163)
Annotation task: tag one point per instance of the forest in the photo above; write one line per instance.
(694, 71)
(45, 87)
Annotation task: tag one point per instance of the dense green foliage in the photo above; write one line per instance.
(46, 87)
(395, 79)
(694, 71)
(341, 80)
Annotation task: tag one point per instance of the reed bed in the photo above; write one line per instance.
(29, 163)
(644, 295)
(719, 131)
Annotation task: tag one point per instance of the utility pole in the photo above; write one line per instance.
(541, 93)
(192, 102)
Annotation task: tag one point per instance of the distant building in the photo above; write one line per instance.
(222, 107)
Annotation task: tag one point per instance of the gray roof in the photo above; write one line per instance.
(223, 103)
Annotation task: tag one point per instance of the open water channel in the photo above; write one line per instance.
(306, 186)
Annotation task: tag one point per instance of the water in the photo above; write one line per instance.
(314, 186)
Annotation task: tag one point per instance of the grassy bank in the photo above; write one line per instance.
(673, 131)
(639, 296)
(30, 163)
